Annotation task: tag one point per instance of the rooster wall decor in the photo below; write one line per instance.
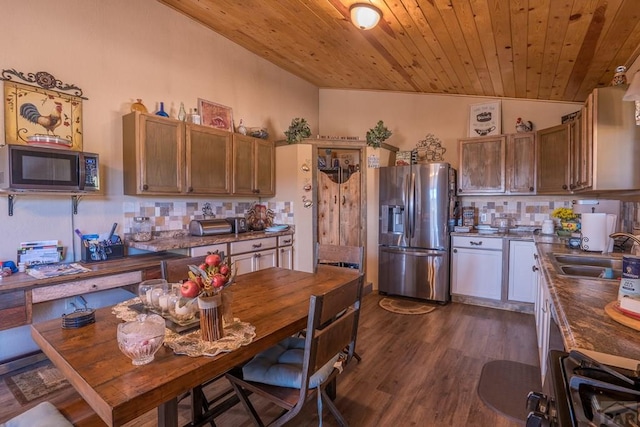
(39, 116)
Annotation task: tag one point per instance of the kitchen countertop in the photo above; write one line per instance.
(180, 241)
(525, 234)
(579, 304)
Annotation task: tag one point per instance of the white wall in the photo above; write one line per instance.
(119, 50)
(412, 116)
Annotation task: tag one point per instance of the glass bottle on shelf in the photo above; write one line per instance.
(161, 111)
(182, 114)
(139, 106)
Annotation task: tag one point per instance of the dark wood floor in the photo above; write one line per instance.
(416, 370)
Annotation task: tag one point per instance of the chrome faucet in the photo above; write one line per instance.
(636, 239)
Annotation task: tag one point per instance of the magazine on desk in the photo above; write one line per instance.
(43, 271)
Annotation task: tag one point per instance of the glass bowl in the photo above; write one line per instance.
(140, 339)
(182, 310)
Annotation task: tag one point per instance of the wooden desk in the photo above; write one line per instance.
(274, 300)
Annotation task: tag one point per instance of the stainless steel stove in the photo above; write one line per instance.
(583, 392)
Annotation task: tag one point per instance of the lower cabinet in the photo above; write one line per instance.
(254, 255)
(522, 277)
(204, 250)
(476, 267)
(285, 252)
(542, 311)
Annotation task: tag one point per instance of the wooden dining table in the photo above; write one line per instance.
(274, 300)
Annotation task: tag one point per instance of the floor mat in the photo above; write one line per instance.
(37, 381)
(504, 386)
(404, 306)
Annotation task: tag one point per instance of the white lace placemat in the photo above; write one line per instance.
(235, 335)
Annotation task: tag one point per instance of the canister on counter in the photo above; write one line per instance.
(630, 281)
(468, 216)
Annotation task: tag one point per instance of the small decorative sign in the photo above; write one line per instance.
(373, 161)
(215, 115)
(485, 119)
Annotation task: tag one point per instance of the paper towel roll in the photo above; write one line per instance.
(594, 232)
(612, 222)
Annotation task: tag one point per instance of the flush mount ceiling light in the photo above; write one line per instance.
(365, 16)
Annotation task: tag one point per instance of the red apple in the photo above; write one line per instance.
(203, 266)
(224, 269)
(189, 289)
(213, 260)
(218, 281)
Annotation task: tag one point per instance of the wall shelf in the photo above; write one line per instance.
(13, 194)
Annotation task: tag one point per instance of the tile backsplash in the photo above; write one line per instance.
(175, 216)
(532, 211)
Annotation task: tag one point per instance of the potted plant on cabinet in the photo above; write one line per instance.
(298, 130)
(377, 135)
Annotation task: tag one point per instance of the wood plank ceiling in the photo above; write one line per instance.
(535, 49)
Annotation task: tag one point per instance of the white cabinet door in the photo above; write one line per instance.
(476, 273)
(285, 257)
(521, 274)
(254, 261)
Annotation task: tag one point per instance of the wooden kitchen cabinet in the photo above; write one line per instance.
(501, 164)
(164, 156)
(598, 151)
(15, 309)
(522, 275)
(482, 165)
(153, 154)
(253, 255)
(253, 166)
(208, 155)
(520, 164)
(285, 252)
(552, 158)
(476, 267)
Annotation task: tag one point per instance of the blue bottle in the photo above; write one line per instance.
(161, 111)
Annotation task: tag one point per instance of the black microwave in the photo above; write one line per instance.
(48, 169)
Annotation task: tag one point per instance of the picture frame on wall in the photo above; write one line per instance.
(215, 115)
(485, 119)
(38, 116)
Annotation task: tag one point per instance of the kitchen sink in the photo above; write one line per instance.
(587, 266)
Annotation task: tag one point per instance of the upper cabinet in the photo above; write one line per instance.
(253, 166)
(164, 156)
(501, 164)
(482, 165)
(153, 154)
(598, 151)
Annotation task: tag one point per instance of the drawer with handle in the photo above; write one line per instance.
(476, 242)
(252, 245)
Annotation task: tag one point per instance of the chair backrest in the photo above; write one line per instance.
(177, 270)
(339, 254)
(332, 326)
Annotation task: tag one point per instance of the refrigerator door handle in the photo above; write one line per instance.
(406, 208)
(412, 206)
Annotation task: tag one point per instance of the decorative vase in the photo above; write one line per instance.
(161, 111)
(211, 317)
(182, 114)
(570, 226)
(139, 106)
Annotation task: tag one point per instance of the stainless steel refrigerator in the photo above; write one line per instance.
(416, 203)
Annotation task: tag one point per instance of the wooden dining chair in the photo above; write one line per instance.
(342, 256)
(177, 270)
(298, 369)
